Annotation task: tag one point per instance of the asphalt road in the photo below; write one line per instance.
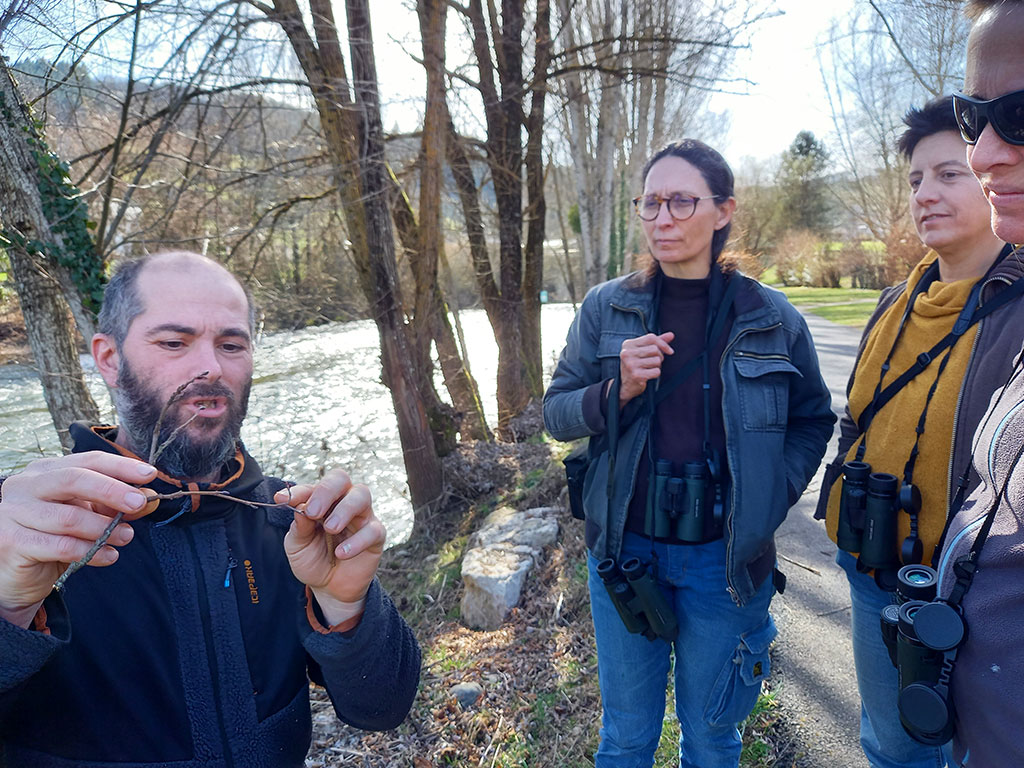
(812, 658)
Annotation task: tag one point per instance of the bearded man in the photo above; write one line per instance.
(192, 639)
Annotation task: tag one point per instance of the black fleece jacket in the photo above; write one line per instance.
(195, 648)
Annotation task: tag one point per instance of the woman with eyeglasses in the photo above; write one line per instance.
(700, 392)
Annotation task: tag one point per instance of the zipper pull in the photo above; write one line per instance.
(231, 565)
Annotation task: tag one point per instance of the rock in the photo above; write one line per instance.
(499, 556)
(467, 694)
(505, 527)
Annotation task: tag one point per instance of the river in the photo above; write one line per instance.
(317, 400)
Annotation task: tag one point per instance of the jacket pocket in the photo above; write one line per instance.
(735, 692)
(763, 388)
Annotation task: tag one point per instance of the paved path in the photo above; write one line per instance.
(813, 659)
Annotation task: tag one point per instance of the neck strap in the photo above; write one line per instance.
(972, 313)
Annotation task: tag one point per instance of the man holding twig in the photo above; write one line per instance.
(236, 590)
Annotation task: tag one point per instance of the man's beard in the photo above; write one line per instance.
(186, 457)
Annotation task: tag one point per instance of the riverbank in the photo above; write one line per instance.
(13, 341)
(539, 703)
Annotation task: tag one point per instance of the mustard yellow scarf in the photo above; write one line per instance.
(890, 438)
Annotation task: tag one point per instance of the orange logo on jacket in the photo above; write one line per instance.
(250, 579)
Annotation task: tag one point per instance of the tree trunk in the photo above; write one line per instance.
(27, 231)
(356, 148)
(426, 479)
(469, 197)
(536, 210)
(577, 119)
(458, 380)
(503, 110)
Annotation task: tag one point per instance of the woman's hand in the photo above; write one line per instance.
(640, 362)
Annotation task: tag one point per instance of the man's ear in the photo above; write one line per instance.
(104, 352)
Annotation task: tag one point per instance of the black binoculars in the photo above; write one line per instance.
(637, 599)
(869, 517)
(922, 635)
(686, 507)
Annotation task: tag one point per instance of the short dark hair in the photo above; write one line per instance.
(712, 167)
(934, 117)
(121, 302)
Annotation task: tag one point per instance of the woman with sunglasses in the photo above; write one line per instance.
(981, 567)
(700, 392)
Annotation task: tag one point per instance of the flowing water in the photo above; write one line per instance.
(317, 401)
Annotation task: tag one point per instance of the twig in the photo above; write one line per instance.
(490, 744)
(558, 609)
(798, 564)
(222, 495)
(59, 584)
(443, 582)
(174, 434)
(175, 395)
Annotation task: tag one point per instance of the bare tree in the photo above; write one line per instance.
(630, 74)
(757, 222)
(430, 311)
(512, 301)
(875, 65)
(37, 239)
(350, 120)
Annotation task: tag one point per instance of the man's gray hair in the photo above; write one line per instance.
(121, 302)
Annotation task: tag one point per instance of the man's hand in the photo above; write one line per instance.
(335, 542)
(640, 362)
(53, 511)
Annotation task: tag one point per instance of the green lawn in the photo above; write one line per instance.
(801, 295)
(855, 315)
(846, 306)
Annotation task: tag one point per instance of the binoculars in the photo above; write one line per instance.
(869, 517)
(686, 507)
(922, 635)
(637, 599)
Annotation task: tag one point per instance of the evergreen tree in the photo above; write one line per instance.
(806, 203)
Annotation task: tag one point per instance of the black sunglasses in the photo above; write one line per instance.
(1006, 113)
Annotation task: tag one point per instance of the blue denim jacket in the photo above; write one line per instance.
(776, 408)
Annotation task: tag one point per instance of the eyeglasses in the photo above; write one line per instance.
(680, 207)
(1006, 113)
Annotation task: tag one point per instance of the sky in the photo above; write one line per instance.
(785, 97)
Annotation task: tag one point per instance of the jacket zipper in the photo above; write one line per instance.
(990, 470)
(944, 557)
(232, 564)
(733, 593)
(643, 324)
(633, 311)
(757, 356)
(211, 655)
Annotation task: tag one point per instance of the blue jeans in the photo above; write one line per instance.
(721, 657)
(885, 743)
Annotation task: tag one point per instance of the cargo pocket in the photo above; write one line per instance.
(763, 384)
(735, 691)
